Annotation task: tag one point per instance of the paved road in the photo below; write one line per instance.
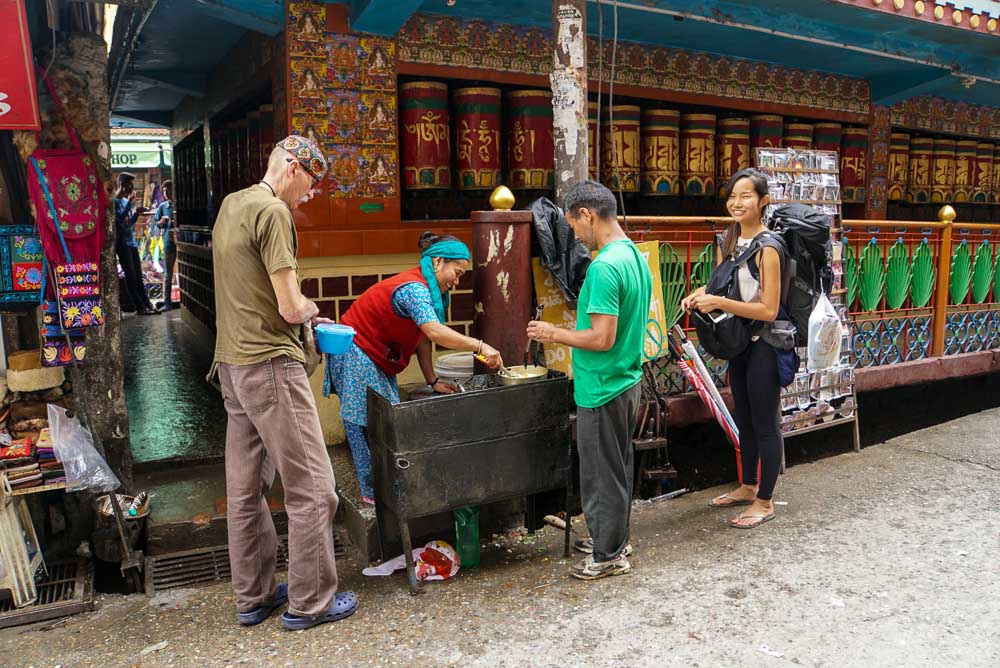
(885, 558)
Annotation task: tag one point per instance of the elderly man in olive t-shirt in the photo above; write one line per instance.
(273, 425)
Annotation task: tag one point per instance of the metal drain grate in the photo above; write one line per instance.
(66, 590)
(206, 565)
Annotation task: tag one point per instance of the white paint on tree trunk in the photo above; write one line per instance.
(503, 279)
(494, 249)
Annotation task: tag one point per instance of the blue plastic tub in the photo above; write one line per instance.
(334, 339)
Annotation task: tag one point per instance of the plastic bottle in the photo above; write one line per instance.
(467, 536)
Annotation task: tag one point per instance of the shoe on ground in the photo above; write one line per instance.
(345, 604)
(588, 569)
(586, 546)
(262, 612)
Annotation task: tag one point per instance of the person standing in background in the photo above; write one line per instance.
(126, 215)
(165, 220)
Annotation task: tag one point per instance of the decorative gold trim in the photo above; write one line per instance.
(529, 93)
(991, 25)
(416, 85)
(975, 21)
(898, 4)
(939, 12)
(476, 91)
(957, 16)
(919, 7)
(876, 2)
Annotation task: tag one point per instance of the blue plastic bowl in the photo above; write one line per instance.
(334, 339)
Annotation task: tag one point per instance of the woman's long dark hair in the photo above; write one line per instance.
(428, 239)
(759, 182)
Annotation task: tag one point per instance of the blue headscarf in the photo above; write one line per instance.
(449, 249)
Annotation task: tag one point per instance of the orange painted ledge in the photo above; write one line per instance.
(688, 409)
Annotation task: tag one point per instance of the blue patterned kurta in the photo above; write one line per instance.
(351, 374)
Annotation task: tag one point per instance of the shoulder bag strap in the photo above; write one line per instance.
(62, 112)
(52, 206)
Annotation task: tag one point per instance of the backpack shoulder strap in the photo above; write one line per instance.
(763, 240)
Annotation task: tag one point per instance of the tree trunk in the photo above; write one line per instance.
(79, 75)
(569, 93)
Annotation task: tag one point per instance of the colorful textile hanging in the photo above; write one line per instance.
(20, 267)
(59, 347)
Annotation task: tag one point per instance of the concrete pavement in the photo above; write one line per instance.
(884, 558)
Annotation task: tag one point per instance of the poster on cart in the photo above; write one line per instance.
(559, 357)
(18, 93)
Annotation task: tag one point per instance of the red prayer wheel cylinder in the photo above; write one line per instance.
(965, 168)
(799, 136)
(477, 137)
(765, 132)
(661, 152)
(698, 154)
(426, 137)
(592, 123)
(943, 171)
(982, 176)
(266, 139)
(918, 182)
(732, 148)
(827, 136)
(529, 140)
(621, 154)
(899, 161)
(853, 164)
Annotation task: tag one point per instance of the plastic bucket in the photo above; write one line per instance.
(334, 339)
(454, 367)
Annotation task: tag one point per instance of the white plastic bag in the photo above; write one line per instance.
(74, 447)
(824, 336)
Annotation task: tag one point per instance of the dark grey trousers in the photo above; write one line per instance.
(604, 440)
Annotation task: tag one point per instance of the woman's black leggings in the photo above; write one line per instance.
(753, 377)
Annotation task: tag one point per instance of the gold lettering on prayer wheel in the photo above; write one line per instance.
(853, 164)
(899, 162)
(425, 140)
(592, 148)
(799, 136)
(660, 152)
(943, 171)
(698, 154)
(995, 194)
(531, 156)
(982, 175)
(765, 132)
(965, 168)
(620, 148)
(477, 138)
(732, 150)
(918, 184)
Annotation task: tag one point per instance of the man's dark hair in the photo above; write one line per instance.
(591, 195)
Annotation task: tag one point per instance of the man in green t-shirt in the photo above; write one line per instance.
(607, 344)
(273, 424)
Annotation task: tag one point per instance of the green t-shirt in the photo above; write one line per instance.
(618, 283)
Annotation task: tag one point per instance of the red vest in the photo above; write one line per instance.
(387, 339)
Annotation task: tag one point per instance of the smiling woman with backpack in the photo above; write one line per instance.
(755, 300)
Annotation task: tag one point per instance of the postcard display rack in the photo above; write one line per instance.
(818, 398)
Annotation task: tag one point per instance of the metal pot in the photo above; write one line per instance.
(523, 374)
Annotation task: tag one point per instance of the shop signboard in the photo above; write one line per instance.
(18, 92)
(138, 155)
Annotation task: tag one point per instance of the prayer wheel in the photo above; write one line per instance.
(660, 152)
(477, 137)
(918, 182)
(592, 122)
(943, 171)
(620, 149)
(698, 154)
(529, 140)
(266, 140)
(732, 147)
(426, 136)
(982, 176)
(853, 164)
(827, 136)
(965, 168)
(765, 132)
(899, 160)
(799, 136)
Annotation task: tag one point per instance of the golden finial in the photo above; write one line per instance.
(947, 214)
(502, 199)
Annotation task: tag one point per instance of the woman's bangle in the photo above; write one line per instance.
(479, 351)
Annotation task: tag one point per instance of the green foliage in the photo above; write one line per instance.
(872, 276)
(924, 274)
